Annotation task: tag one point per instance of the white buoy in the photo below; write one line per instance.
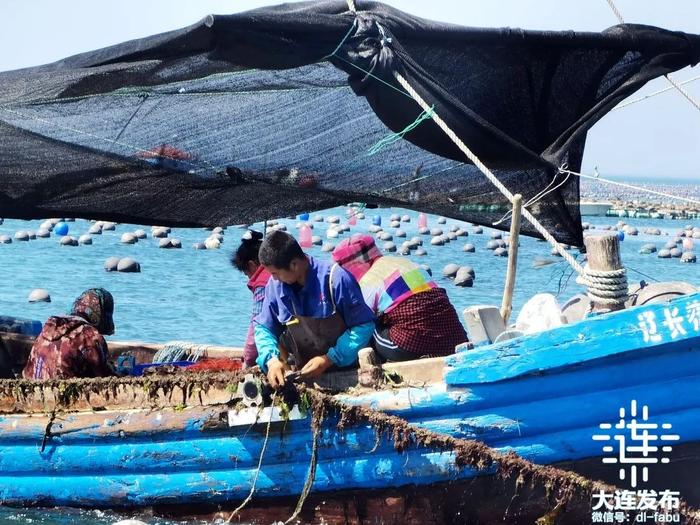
(39, 295)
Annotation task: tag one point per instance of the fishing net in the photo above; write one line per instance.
(292, 108)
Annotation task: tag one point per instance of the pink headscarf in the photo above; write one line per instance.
(357, 254)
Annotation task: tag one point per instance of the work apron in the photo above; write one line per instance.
(307, 337)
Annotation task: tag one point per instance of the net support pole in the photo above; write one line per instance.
(513, 241)
(488, 173)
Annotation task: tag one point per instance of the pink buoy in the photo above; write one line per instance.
(352, 221)
(422, 220)
(305, 236)
(688, 243)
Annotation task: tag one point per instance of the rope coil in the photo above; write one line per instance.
(607, 287)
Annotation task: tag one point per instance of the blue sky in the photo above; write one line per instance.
(659, 137)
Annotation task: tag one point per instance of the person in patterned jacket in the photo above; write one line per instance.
(74, 346)
(414, 316)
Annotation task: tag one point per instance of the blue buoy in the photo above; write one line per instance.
(621, 235)
(303, 216)
(377, 220)
(61, 228)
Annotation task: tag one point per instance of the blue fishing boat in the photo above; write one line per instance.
(206, 440)
(273, 112)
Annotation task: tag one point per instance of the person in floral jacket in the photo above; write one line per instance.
(74, 346)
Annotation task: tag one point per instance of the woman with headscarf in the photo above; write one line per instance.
(245, 260)
(414, 317)
(74, 346)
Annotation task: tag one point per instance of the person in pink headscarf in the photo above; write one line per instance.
(415, 316)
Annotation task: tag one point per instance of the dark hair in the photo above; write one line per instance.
(279, 249)
(248, 250)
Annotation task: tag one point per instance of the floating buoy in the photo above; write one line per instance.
(129, 238)
(377, 220)
(688, 257)
(463, 277)
(421, 252)
(328, 247)
(469, 248)
(385, 236)
(43, 234)
(39, 295)
(168, 244)
(441, 220)
(423, 230)
(500, 252)
(140, 234)
(303, 216)
(647, 249)
(435, 232)
(389, 247)
(450, 270)
(111, 264)
(67, 240)
(478, 230)
(128, 265)
(85, 239)
(61, 228)
(212, 244)
(95, 229)
(405, 218)
(199, 246)
(5, 239)
(159, 233)
(427, 269)
(22, 235)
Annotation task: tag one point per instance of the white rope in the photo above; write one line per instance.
(260, 460)
(659, 92)
(683, 92)
(605, 287)
(632, 187)
(615, 10)
(675, 84)
(489, 175)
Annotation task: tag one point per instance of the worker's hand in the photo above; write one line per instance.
(275, 372)
(316, 366)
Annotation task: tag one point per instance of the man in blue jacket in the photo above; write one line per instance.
(313, 310)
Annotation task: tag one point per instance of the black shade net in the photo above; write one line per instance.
(280, 110)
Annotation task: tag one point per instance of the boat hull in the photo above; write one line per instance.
(542, 396)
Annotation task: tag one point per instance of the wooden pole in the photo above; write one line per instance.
(514, 239)
(603, 252)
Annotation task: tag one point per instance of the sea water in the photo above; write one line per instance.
(196, 295)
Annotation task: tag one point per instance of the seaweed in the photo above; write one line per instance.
(561, 491)
(22, 395)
